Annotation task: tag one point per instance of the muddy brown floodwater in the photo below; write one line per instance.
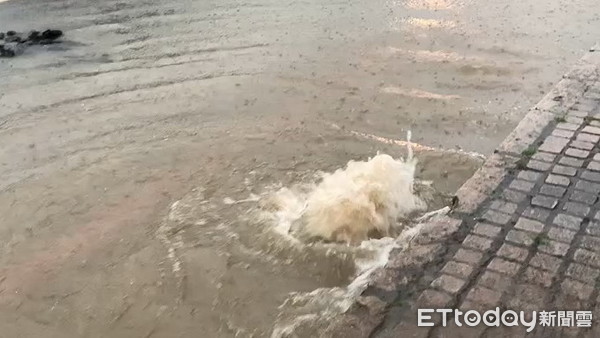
(146, 103)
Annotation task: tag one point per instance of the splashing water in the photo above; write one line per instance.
(361, 201)
(366, 204)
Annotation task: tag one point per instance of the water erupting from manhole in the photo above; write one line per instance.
(361, 201)
(358, 204)
(278, 262)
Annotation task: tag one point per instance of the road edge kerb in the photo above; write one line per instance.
(562, 97)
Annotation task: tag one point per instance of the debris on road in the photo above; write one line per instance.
(13, 43)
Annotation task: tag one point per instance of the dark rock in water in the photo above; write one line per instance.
(6, 52)
(34, 36)
(13, 38)
(13, 49)
(51, 34)
(15, 43)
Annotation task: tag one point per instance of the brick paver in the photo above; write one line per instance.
(536, 244)
(527, 233)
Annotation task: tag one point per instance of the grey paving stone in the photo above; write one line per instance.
(554, 248)
(487, 230)
(496, 217)
(521, 185)
(590, 176)
(588, 137)
(504, 266)
(582, 145)
(587, 257)
(568, 221)
(496, 281)
(434, 299)
(571, 161)
(538, 165)
(545, 262)
(577, 209)
(529, 175)
(594, 165)
(590, 243)
(587, 186)
(554, 144)
(574, 120)
(542, 156)
(448, 283)
(564, 170)
(561, 234)
(529, 225)
(567, 126)
(597, 157)
(585, 105)
(477, 242)
(520, 237)
(544, 201)
(513, 195)
(593, 228)
(539, 214)
(558, 180)
(526, 297)
(512, 252)
(503, 206)
(583, 273)
(482, 295)
(468, 256)
(563, 133)
(539, 277)
(468, 305)
(578, 112)
(583, 197)
(591, 130)
(577, 153)
(461, 270)
(577, 289)
(552, 190)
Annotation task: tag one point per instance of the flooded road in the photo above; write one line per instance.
(146, 103)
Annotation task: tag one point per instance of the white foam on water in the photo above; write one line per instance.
(345, 206)
(290, 205)
(314, 309)
(380, 249)
(349, 205)
(363, 198)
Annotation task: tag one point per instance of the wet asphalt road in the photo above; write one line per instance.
(146, 99)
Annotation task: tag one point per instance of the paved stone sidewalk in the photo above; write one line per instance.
(534, 244)
(525, 234)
